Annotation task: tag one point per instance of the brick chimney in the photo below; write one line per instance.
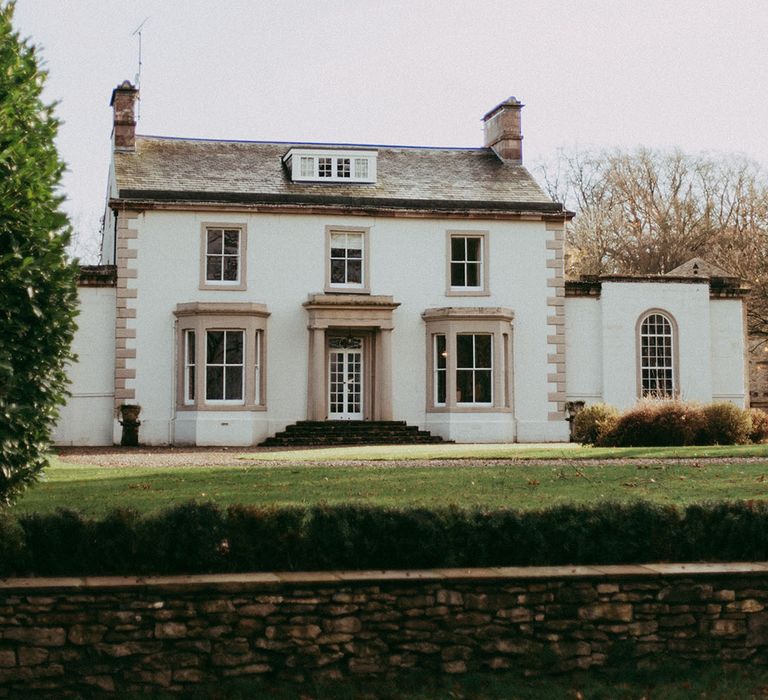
(502, 131)
(123, 105)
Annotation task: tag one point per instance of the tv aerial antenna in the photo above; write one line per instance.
(137, 32)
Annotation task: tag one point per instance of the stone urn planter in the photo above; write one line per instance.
(129, 419)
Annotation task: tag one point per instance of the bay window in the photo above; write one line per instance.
(221, 356)
(469, 358)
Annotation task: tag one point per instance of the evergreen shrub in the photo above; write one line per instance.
(38, 291)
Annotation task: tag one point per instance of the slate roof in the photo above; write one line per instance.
(174, 169)
(698, 267)
(694, 271)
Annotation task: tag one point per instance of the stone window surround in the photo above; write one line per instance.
(450, 321)
(675, 351)
(238, 286)
(365, 287)
(367, 316)
(483, 291)
(203, 316)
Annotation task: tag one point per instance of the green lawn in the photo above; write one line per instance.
(507, 451)
(95, 490)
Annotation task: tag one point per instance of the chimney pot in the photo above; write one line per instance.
(503, 132)
(123, 105)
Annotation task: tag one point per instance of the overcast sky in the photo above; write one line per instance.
(660, 73)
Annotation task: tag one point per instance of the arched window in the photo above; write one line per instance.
(657, 356)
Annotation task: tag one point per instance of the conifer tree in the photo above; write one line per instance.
(38, 294)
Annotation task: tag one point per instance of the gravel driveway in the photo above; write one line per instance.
(155, 456)
(117, 457)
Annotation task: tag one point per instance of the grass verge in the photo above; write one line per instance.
(96, 490)
(567, 451)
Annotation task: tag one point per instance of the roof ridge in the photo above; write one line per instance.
(313, 143)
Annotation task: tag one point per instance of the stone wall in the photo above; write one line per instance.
(64, 636)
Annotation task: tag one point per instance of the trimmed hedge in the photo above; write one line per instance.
(201, 538)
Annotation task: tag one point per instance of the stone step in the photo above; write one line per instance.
(352, 432)
(343, 442)
(344, 428)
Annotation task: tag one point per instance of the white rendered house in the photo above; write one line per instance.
(259, 284)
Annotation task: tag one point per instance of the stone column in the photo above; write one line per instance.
(317, 371)
(384, 374)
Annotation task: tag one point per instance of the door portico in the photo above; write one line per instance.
(337, 320)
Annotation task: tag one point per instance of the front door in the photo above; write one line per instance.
(345, 378)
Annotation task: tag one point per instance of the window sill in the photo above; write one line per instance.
(221, 407)
(458, 292)
(469, 409)
(347, 290)
(234, 287)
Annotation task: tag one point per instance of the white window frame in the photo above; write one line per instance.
(258, 343)
(307, 166)
(325, 167)
(343, 167)
(242, 244)
(474, 369)
(224, 365)
(189, 335)
(670, 359)
(481, 289)
(346, 259)
(361, 168)
(363, 287)
(439, 357)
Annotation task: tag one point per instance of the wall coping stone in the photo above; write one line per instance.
(269, 580)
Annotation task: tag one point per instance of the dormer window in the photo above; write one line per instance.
(309, 165)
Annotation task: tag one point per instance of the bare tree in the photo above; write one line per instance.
(646, 212)
(85, 243)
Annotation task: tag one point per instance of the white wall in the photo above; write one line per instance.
(583, 349)
(87, 417)
(286, 257)
(623, 303)
(728, 351)
(601, 342)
